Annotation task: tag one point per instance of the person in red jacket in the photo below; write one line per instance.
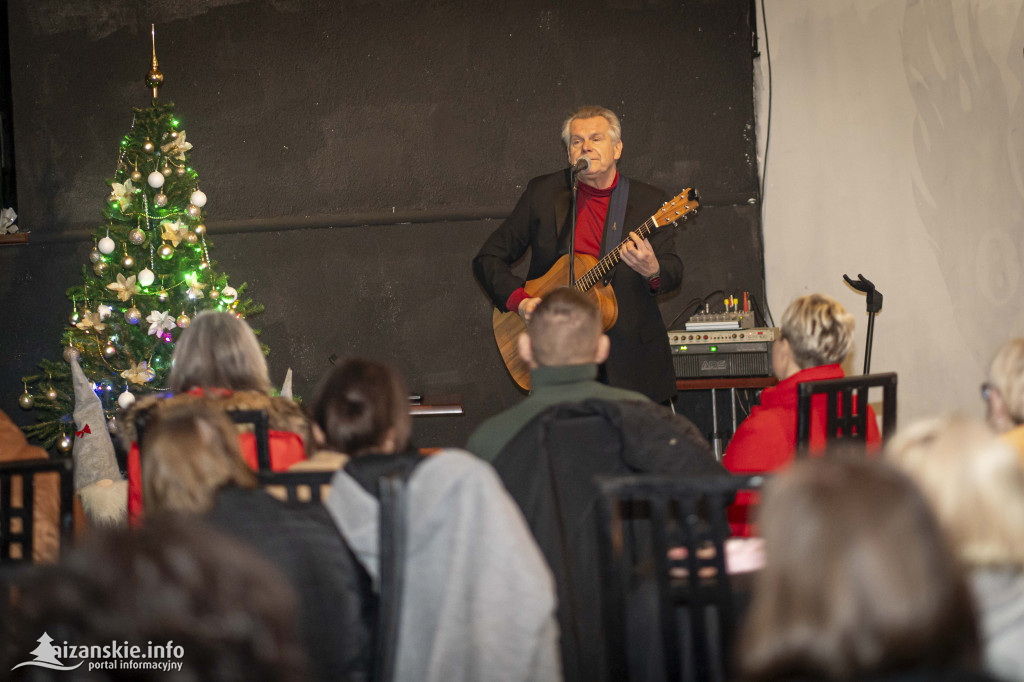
(816, 334)
(218, 363)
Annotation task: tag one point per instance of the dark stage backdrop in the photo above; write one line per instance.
(356, 155)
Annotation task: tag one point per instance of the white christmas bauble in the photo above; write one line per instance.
(125, 400)
(146, 277)
(107, 245)
(229, 294)
(198, 198)
(156, 179)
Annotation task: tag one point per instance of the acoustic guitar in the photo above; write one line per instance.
(597, 273)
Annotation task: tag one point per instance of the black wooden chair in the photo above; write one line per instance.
(17, 524)
(297, 487)
(846, 408)
(667, 598)
(257, 418)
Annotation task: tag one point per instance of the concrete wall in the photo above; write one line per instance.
(895, 150)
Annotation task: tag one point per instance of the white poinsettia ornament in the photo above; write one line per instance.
(91, 320)
(122, 193)
(7, 218)
(195, 287)
(160, 321)
(125, 287)
(173, 231)
(177, 147)
(139, 373)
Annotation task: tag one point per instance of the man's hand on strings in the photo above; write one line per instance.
(638, 254)
(527, 306)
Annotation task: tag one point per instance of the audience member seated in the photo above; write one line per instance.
(976, 484)
(175, 584)
(46, 507)
(1004, 394)
(816, 334)
(192, 464)
(478, 600)
(218, 362)
(859, 584)
(563, 346)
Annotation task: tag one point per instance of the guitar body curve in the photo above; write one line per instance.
(508, 326)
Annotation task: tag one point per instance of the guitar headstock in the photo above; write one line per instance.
(677, 208)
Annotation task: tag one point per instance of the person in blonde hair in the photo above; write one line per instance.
(192, 464)
(816, 335)
(976, 485)
(1003, 393)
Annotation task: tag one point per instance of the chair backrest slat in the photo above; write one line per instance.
(682, 527)
(842, 422)
(27, 472)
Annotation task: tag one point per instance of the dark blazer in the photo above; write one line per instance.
(640, 358)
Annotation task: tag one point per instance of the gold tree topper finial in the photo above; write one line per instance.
(154, 79)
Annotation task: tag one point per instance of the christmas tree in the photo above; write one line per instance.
(149, 273)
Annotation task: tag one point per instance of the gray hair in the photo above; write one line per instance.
(593, 111)
(219, 350)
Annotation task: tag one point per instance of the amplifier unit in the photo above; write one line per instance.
(728, 353)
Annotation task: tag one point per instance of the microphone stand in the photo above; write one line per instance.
(572, 228)
(874, 305)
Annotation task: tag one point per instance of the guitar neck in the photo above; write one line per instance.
(597, 273)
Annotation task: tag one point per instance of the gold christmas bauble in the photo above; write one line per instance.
(132, 315)
(183, 320)
(180, 170)
(136, 236)
(200, 229)
(95, 256)
(71, 353)
(51, 393)
(136, 176)
(191, 238)
(109, 351)
(73, 318)
(193, 210)
(64, 444)
(162, 297)
(203, 265)
(174, 134)
(100, 268)
(26, 401)
(160, 199)
(127, 262)
(214, 294)
(166, 251)
(167, 171)
(148, 147)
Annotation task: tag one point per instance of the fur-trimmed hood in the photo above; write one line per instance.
(283, 414)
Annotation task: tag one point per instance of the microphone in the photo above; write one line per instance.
(581, 165)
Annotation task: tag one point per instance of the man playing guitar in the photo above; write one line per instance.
(607, 207)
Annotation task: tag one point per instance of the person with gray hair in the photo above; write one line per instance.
(976, 485)
(608, 206)
(816, 335)
(219, 365)
(1003, 393)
